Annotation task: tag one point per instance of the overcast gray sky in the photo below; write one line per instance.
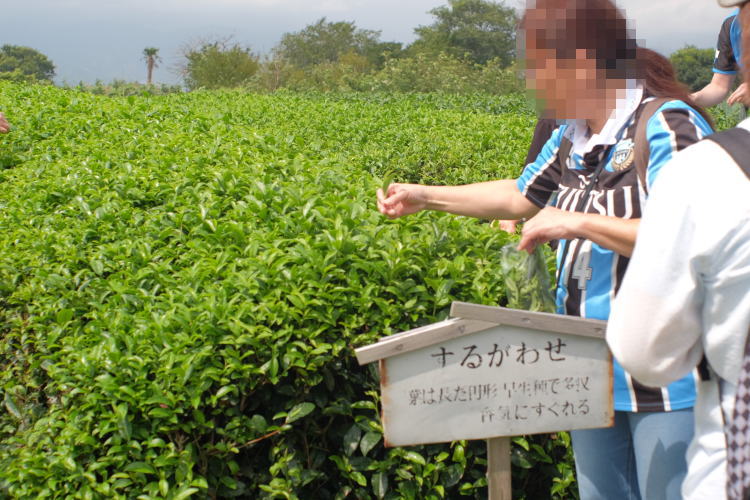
(103, 39)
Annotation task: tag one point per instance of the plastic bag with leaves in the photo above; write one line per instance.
(527, 279)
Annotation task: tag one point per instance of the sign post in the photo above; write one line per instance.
(498, 469)
(493, 373)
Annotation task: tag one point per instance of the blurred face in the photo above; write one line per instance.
(568, 81)
(566, 88)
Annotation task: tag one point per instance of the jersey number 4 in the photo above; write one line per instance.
(582, 269)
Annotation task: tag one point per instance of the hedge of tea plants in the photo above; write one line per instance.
(183, 279)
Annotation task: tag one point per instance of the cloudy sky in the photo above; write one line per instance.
(103, 39)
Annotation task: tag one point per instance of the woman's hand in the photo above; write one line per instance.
(549, 224)
(4, 125)
(613, 233)
(740, 96)
(401, 199)
(509, 226)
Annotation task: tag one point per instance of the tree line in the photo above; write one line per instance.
(470, 46)
(465, 38)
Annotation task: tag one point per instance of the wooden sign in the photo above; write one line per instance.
(493, 372)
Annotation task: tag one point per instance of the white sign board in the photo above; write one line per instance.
(477, 379)
(504, 381)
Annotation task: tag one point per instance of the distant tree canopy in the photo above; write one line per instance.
(25, 64)
(326, 42)
(219, 64)
(480, 29)
(470, 47)
(693, 66)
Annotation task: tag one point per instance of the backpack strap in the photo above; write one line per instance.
(736, 142)
(642, 147)
(566, 145)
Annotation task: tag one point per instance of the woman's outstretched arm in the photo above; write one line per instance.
(485, 200)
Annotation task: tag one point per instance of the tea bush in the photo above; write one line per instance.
(123, 88)
(183, 278)
(726, 117)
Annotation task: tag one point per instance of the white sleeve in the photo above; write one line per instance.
(655, 329)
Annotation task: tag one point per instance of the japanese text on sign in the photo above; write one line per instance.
(502, 381)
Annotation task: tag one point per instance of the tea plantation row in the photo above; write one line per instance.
(183, 278)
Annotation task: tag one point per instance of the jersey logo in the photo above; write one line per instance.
(624, 155)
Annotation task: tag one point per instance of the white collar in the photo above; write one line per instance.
(578, 131)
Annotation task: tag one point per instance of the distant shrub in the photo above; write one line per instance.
(422, 73)
(218, 64)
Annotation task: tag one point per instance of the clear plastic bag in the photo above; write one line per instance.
(527, 279)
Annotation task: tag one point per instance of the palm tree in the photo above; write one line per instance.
(151, 56)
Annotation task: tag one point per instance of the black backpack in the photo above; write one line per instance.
(736, 142)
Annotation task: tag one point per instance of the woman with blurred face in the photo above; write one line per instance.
(584, 67)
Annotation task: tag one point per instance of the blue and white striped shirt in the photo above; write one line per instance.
(592, 274)
(728, 59)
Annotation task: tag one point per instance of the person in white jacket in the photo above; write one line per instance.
(686, 293)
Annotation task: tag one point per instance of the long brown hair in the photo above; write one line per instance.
(601, 29)
(659, 79)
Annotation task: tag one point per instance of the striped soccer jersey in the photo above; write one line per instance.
(728, 57)
(592, 274)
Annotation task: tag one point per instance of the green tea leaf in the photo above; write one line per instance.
(387, 180)
(369, 441)
(380, 484)
(140, 467)
(351, 439)
(11, 406)
(63, 316)
(413, 456)
(299, 411)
